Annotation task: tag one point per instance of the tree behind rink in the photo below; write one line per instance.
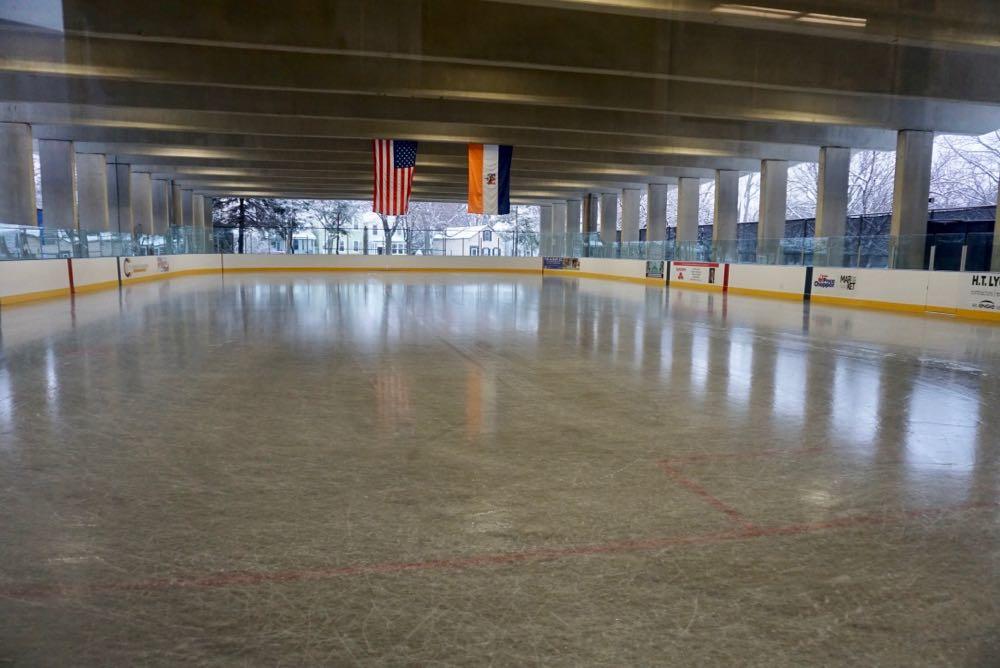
(269, 216)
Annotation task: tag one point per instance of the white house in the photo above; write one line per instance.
(475, 240)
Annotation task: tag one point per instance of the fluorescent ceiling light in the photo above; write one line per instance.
(776, 14)
(753, 10)
(830, 19)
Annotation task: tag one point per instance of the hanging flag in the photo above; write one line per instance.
(489, 178)
(395, 161)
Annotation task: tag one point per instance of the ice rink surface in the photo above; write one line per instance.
(429, 469)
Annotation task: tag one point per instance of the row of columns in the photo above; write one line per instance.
(909, 215)
(82, 191)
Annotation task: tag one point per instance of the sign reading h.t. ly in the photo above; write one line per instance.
(984, 292)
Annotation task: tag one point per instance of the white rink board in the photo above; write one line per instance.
(895, 286)
(789, 280)
(380, 263)
(23, 277)
(697, 273)
(146, 267)
(610, 267)
(94, 271)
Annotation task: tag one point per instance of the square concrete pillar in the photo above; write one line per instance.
(574, 208)
(198, 210)
(177, 206)
(546, 242)
(630, 214)
(656, 212)
(92, 184)
(207, 201)
(142, 204)
(609, 218)
(727, 205)
(187, 207)
(58, 163)
(688, 191)
(914, 151)
(592, 207)
(773, 200)
(995, 263)
(831, 205)
(559, 228)
(17, 175)
(119, 184)
(161, 205)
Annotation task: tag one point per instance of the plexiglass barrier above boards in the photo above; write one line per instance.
(939, 252)
(37, 243)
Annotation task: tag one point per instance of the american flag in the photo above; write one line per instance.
(394, 164)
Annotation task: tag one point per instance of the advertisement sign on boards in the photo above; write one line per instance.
(705, 273)
(983, 292)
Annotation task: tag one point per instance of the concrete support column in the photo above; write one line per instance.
(207, 202)
(187, 207)
(559, 228)
(58, 163)
(545, 229)
(17, 175)
(727, 206)
(995, 262)
(609, 218)
(914, 151)
(831, 204)
(92, 186)
(161, 206)
(142, 204)
(119, 198)
(687, 209)
(590, 216)
(574, 207)
(176, 206)
(630, 214)
(773, 200)
(197, 233)
(198, 212)
(656, 212)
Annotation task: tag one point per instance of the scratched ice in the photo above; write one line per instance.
(475, 469)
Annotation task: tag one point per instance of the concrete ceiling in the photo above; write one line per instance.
(595, 95)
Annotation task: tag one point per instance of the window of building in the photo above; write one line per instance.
(374, 231)
(398, 248)
(473, 250)
(357, 246)
(487, 235)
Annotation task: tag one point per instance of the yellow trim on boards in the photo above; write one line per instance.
(914, 309)
(770, 294)
(95, 287)
(24, 297)
(868, 303)
(250, 270)
(704, 287)
(169, 274)
(641, 280)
